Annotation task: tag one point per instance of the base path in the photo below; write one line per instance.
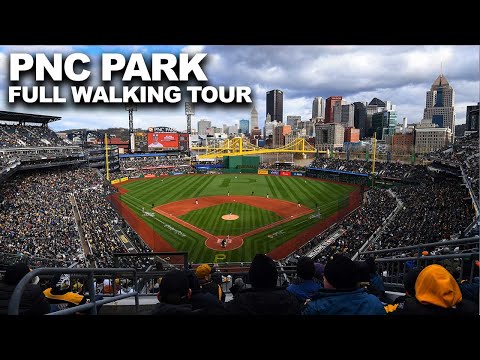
(301, 239)
(287, 210)
(280, 207)
(151, 237)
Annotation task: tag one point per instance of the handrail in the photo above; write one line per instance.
(410, 247)
(150, 254)
(14, 304)
(378, 232)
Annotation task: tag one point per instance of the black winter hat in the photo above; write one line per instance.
(263, 272)
(305, 268)
(341, 272)
(15, 273)
(173, 287)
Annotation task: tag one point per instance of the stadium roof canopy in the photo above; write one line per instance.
(24, 118)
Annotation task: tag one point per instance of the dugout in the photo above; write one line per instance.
(244, 164)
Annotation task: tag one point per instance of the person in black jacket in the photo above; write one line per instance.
(264, 297)
(174, 295)
(207, 283)
(33, 301)
(204, 301)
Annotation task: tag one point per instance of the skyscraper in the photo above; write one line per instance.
(329, 105)
(293, 121)
(472, 117)
(360, 117)
(275, 105)
(243, 128)
(254, 118)
(318, 108)
(203, 125)
(440, 104)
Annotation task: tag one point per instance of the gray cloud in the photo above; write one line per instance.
(401, 74)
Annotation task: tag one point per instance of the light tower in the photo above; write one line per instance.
(131, 107)
(189, 111)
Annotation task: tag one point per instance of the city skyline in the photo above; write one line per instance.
(400, 74)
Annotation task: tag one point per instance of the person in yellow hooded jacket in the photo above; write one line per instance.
(436, 293)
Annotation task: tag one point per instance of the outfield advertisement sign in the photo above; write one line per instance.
(298, 173)
(116, 181)
(149, 176)
(263, 172)
(274, 172)
(124, 179)
(285, 173)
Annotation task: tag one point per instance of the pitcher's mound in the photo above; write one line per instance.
(230, 217)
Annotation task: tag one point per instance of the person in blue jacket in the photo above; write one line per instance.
(341, 294)
(305, 287)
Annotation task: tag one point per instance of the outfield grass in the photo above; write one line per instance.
(210, 218)
(145, 194)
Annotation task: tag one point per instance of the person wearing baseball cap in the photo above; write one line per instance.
(204, 276)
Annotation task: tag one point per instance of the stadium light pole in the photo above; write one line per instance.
(189, 111)
(107, 170)
(131, 107)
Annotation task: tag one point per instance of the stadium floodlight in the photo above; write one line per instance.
(131, 107)
(189, 111)
(189, 108)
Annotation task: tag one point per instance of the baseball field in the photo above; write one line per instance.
(232, 217)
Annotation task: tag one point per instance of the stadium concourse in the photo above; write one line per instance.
(54, 212)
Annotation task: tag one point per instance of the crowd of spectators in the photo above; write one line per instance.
(432, 211)
(280, 166)
(27, 136)
(37, 218)
(388, 169)
(162, 165)
(463, 153)
(355, 229)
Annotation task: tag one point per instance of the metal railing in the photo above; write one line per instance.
(395, 265)
(421, 247)
(32, 261)
(14, 304)
(118, 256)
(379, 231)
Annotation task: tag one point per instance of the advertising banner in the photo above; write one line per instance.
(273, 172)
(263, 172)
(124, 179)
(298, 173)
(285, 173)
(149, 176)
(162, 141)
(116, 181)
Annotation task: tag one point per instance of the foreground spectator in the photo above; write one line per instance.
(264, 297)
(204, 276)
(237, 286)
(60, 295)
(470, 290)
(409, 280)
(204, 302)
(437, 293)
(341, 295)
(376, 286)
(33, 301)
(174, 295)
(305, 287)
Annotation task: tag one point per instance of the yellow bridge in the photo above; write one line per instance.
(239, 146)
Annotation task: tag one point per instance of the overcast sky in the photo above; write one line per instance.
(401, 74)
